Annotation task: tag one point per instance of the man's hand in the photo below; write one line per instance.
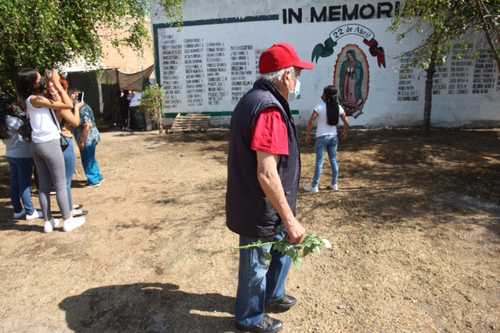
(296, 232)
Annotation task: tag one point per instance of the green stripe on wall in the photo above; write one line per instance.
(170, 115)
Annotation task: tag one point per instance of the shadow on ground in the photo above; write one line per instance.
(442, 177)
(147, 307)
(211, 135)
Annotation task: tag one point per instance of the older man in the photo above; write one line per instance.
(263, 183)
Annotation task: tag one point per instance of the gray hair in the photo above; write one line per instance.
(276, 76)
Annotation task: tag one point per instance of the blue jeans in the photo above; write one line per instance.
(70, 165)
(90, 165)
(21, 170)
(329, 142)
(259, 281)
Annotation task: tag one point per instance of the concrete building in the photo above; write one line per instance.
(208, 64)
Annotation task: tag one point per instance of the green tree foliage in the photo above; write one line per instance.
(46, 33)
(152, 102)
(444, 23)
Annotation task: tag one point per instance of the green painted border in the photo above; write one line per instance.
(170, 115)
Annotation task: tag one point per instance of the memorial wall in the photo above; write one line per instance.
(209, 63)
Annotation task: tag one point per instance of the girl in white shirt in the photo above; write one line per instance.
(327, 114)
(47, 152)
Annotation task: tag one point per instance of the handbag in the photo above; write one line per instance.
(63, 140)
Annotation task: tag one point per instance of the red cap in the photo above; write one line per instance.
(281, 56)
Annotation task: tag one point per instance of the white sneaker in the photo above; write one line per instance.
(312, 189)
(334, 187)
(20, 215)
(76, 211)
(73, 223)
(49, 226)
(36, 215)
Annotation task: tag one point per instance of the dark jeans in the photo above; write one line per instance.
(21, 170)
(259, 281)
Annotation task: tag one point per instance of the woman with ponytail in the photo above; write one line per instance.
(327, 114)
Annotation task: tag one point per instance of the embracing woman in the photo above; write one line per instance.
(46, 143)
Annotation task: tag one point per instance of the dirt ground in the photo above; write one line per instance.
(415, 232)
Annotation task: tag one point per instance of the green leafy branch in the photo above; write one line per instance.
(311, 244)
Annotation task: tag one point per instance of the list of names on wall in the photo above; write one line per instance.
(440, 80)
(460, 69)
(463, 73)
(216, 72)
(406, 86)
(484, 73)
(242, 71)
(258, 52)
(195, 72)
(171, 57)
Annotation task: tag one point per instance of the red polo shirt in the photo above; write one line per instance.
(270, 133)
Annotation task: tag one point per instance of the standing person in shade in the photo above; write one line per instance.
(134, 109)
(19, 156)
(327, 114)
(262, 187)
(124, 109)
(87, 136)
(46, 145)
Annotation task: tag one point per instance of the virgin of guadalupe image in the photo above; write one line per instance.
(350, 84)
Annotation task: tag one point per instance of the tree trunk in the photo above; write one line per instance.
(489, 29)
(161, 116)
(160, 121)
(428, 91)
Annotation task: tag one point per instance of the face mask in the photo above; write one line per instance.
(295, 94)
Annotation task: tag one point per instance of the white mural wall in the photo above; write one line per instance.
(208, 64)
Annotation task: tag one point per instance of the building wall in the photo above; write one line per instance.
(125, 58)
(208, 64)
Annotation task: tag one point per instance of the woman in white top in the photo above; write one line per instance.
(327, 114)
(45, 135)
